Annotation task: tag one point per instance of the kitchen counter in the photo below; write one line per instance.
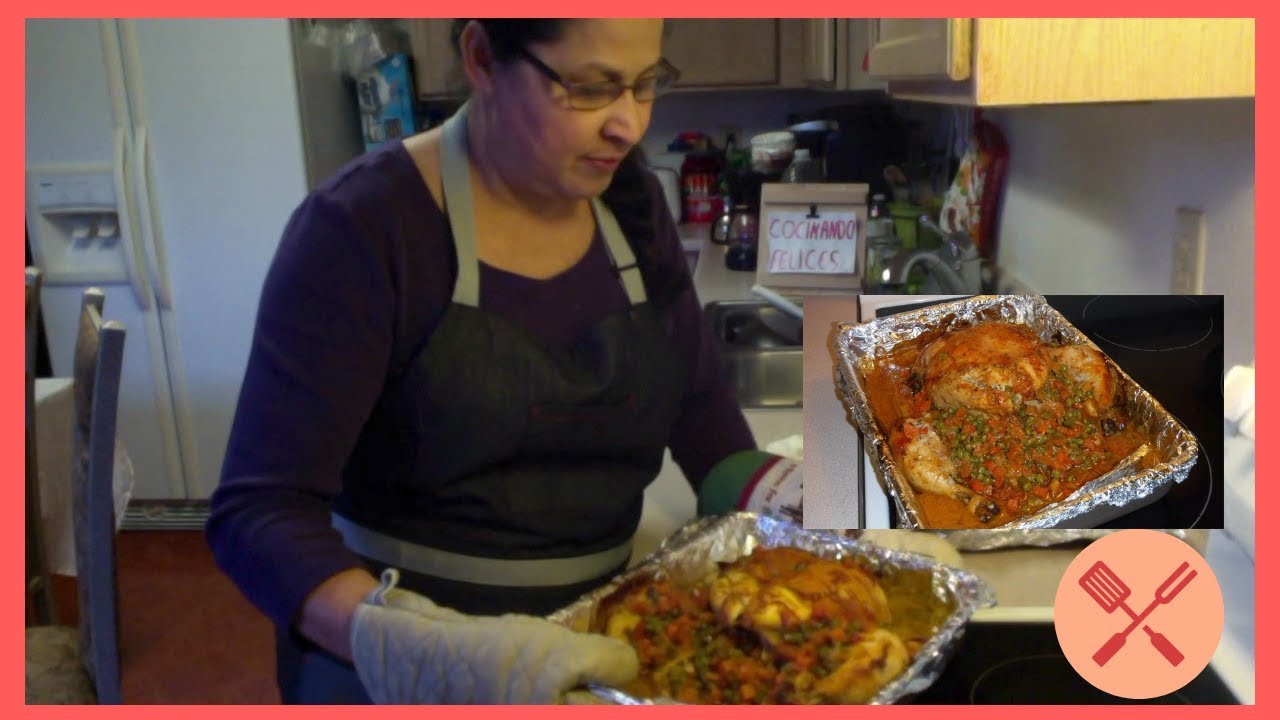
(713, 281)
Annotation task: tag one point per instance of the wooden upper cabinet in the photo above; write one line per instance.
(435, 66)
(751, 53)
(1041, 61)
(711, 54)
(718, 53)
(919, 48)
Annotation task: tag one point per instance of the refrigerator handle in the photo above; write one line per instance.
(150, 230)
(124, 206)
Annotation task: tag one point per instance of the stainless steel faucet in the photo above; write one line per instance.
(956, 265)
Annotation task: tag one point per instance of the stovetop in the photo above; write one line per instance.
(1172, 346)
(1022, 664)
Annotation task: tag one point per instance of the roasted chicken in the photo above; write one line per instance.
(780, 625)
(989, 367)
(993, 417)
(777, 590)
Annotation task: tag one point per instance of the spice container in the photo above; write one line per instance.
(771, 152)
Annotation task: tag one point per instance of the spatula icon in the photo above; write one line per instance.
(1102, 584)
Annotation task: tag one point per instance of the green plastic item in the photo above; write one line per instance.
(906, 217)
(722, 488)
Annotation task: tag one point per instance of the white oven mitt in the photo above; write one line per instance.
(408, 650)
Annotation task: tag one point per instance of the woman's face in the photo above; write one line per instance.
(559, 150)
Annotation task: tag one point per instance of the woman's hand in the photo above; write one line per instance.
(407, 649)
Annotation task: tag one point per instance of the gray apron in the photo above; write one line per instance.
(497, 473)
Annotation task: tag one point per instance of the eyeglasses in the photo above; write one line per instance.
(596, 95)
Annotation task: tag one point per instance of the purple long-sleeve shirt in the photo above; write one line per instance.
(362, 274)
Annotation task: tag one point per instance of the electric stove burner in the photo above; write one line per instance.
(1164, 322)
(1021, 663)
(1006, 684)
(1208, 491)
(1216, 372)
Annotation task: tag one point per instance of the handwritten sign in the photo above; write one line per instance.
(822, 243)
(811, 237)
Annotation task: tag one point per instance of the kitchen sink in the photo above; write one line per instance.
(762, 352)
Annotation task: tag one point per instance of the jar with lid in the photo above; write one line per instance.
(743, 232)
(883, 245)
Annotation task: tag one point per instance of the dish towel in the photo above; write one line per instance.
(1238, 450)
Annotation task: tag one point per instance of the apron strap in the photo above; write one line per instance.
(456, 177)
(496, 572)
(624, 261)
(455, 172)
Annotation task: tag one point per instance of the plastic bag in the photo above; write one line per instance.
(358, 45)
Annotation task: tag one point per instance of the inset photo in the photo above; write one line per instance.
(1017, 412)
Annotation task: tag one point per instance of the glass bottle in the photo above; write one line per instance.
(803, 168)
(743, 230)
(720, 226)
(883, 245)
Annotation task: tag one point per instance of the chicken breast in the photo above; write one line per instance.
(775, 589)
(990, 367)
(1088, 367)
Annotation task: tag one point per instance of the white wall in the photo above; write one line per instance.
(1091, 193)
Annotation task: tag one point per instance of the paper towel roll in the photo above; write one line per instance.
(670, 180)
(1238, 394)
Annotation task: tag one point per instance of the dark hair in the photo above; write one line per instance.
(630, 193)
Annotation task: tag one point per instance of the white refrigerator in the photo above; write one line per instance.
(163, 159)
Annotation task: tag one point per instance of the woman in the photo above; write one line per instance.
(472, 350)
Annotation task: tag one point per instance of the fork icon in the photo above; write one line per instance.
(1102, 584)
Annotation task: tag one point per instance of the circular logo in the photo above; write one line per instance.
(1138, 613)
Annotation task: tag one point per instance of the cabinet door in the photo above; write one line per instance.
(1034, 60)
(434, 63)
(920, 48)
(853, 37)
(820, 52)
(718, 53)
